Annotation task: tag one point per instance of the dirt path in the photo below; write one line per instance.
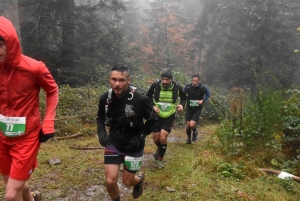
(99, 192)
(92, 192)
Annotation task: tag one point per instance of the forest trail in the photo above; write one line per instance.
(49, 180)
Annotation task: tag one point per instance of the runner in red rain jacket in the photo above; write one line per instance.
(21, 129)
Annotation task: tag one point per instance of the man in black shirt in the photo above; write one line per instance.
(197, 94)
(123, 109)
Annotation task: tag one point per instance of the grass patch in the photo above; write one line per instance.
(192, 172)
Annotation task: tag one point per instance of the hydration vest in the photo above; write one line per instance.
(165, 99)
(158, 89)
(109, 101)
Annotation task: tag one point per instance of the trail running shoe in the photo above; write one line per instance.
(138, 189)
(160, 164)
(156, 155)
(195, 136)
(36, 196)
(188, 141)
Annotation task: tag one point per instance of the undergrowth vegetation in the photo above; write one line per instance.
(240, 133)
(251, 131)
(196, 172)
(264, 125)
(77, 109)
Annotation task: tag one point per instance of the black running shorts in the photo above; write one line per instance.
(192, 115)
(113, 156)
(164, 123)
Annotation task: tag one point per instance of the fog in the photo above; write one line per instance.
(229, 43)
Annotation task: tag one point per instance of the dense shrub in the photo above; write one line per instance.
(252, 123)
(215, 109)
(291, 118)
(267, 123)
(77, 108)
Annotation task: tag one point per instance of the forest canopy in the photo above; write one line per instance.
(229, 43)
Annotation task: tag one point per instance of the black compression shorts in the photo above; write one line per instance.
(164, 123)
(113, 156)
(192, 115)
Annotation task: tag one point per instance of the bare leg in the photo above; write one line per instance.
(193, 124)
(163, 138)
(130, 179)
(16, 190)
(156, 138)
(112, 173)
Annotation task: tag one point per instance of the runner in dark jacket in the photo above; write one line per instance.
(123, 109)
(197, 94)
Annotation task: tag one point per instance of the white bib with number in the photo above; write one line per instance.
(164, 106)
(12, 126)
(194, 103)
(133, 163)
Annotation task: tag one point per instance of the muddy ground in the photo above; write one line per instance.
(99, 192)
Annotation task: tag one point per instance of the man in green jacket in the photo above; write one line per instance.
(164, 94)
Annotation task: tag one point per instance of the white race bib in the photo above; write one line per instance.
(164, 106)
(133, 163)
(12, 126)
(194, 103)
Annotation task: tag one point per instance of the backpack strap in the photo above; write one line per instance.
(132, 90)
(158, 88)
(108, 102)
(174, 92)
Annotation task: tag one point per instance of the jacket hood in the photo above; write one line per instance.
(13, 48)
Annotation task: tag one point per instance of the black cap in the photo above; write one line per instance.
(167, 73)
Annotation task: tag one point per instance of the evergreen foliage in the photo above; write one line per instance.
(72, 39)
(248, 46)
(250, 42)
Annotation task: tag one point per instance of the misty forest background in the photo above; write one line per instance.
(245, 51)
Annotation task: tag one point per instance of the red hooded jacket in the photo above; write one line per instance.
(21, 78)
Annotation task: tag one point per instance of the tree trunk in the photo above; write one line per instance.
(9, 9)
(66, 58)
(67, 17)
